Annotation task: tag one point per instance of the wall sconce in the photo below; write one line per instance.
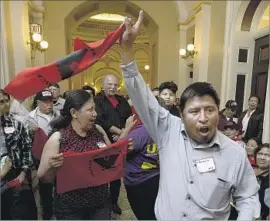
(37, 43)
(189, 52)
(147, 67)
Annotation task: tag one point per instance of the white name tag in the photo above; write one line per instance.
(9, 130)
(205, 165)
(101, 144)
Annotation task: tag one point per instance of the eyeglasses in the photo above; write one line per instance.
(4, 101)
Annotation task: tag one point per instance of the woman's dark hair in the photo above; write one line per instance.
(5, 94)
(88, 88)
(75, 100)
(168, 85)
(258, 149)
(258, 98)
(66, 93)
(198, 89)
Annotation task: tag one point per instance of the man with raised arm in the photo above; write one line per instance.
(201, 170)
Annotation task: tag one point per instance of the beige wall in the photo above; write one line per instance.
(167, 46)
(216, 46)
(190, 35)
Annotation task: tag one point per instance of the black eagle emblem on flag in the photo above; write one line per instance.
(107, 162)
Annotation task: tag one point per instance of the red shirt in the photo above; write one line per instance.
(113, 101)
(252, 161)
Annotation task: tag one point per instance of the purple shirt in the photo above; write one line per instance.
(142, 163)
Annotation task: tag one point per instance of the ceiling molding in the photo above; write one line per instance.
(195, 10)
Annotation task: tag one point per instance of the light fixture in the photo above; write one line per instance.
(189, 52)
(147, 67)
(85, 83)
(37, 43)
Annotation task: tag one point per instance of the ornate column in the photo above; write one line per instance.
(4, 65)
(202, 38)
(36, 15)
(266, 126)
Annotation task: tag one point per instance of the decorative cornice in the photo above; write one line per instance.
(35, 8)
(196, 9)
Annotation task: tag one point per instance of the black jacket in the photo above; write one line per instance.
(174, 111)
(264, 184)
(109, 116)
(255, 125)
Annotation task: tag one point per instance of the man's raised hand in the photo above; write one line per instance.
(131, 31)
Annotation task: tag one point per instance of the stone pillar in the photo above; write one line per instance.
(202, 38)
(36, 13)
(227, 52)
(4, 65)
(266, 126)
(19, 23)
(183, 68)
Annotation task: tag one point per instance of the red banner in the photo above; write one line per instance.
(39, 142)
(32, 80)
(92, 168)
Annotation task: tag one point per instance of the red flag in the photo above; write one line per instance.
(92, 168)
(32, 80)
(39, 142)
(14, 184)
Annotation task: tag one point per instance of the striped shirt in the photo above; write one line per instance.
(18, 142)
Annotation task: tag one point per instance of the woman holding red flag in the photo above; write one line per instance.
(76, 132)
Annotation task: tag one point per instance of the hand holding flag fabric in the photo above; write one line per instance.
(92, 168)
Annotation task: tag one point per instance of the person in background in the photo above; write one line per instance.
(155, 91)
(252, 120)
(58, 102)
(113, 111)
(41, 117)
(167, 91)
(200, 168)
(251, 146)
(75, 130)
(142, 172)
(262, 159)
(19, 110)
(16, 143)
(232, 130)
(228, 114)
(89, 90)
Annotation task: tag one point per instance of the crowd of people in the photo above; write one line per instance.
(187, 159)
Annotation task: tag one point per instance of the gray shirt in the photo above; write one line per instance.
(184, 192)
(58, 105)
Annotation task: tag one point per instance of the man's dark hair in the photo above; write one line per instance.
(168, 85)
(155, 89)
(258, 98)
(5, 94)
(54, 85)
(88, 88)
(198, 89)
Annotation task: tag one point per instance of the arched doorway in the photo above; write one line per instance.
(93, 25)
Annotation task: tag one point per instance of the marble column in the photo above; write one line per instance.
(266, 126)
(201, 42)
(4, 65)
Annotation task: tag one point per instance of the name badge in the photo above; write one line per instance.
(205, 165)
(101, 144)
(9, 130)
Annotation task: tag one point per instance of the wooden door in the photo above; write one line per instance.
(260, 69)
